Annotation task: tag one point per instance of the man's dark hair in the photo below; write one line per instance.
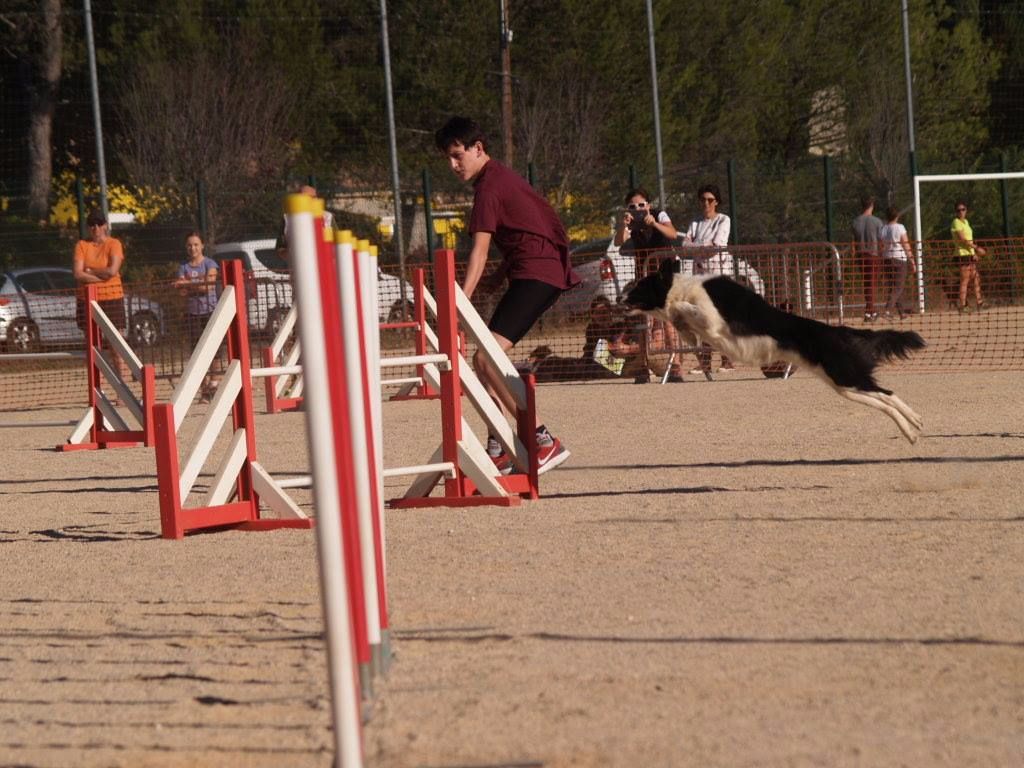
(713, 189)
(868, 201)
(634, 192)
(460, 130)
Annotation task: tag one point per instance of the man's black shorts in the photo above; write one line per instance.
(519, 308)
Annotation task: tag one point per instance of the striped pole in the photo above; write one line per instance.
(361, 444)
(366, 268)
(332, 481)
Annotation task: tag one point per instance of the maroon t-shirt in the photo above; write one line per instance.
(524, 227)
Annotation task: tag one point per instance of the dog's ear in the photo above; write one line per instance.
(668, 269)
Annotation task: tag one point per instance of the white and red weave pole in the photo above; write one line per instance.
(330, 298)
(356, 369)
(366, 266)
(331, 469)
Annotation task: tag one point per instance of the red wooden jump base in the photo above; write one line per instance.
(102, 426)
(239, 474)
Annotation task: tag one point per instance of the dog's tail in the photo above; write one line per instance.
(887, 345)
(849, 356)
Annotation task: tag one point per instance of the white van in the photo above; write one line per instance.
(271, 296)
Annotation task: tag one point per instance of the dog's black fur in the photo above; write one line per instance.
(741, 324)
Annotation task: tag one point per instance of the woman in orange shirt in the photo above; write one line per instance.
(98, 262)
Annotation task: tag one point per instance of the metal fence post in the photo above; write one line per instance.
(828, 197)
(632, 177)
(730, 172)
(80, 196)
(201, 207)
(428, 214)
(1005, 195)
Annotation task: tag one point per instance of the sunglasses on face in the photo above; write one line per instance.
(636, 206)
(709, 200)
(960, 210)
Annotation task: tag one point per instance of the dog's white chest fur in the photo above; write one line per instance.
(690, 310)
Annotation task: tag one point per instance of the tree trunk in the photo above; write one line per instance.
(42, 105)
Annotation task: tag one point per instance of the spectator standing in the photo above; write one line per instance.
(896, 251)
(282, 236)
(967, 254)
(710, 232)
(535, 249)
(197, 282)
(646, 231)
(865, 248)
(98, 261)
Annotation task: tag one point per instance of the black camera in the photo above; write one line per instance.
(638, 217)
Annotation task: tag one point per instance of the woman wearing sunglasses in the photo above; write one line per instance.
(967, 254)
(647, 230)
(710, 230)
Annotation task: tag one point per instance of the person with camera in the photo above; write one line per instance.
(646, 231)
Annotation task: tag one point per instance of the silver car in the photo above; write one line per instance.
(37, 309)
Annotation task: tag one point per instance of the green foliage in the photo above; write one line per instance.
(770, 84)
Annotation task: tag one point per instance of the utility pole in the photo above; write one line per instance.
(392, 145)
(506, 83)
(101, 163)
(657, 107)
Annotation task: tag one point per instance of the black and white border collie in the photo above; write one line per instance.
(740, 324)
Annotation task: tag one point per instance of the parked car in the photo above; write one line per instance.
(270, 295)
(605, 274)
(37, 308)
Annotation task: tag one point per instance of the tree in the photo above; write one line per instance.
(37, 42)
(219, 118)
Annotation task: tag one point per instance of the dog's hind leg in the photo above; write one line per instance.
(903, 408)
(873, 400)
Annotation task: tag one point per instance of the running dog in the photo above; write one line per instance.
(739, 323)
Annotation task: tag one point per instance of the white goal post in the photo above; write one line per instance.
(918, 180)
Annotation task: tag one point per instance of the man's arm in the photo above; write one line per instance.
(477, 261)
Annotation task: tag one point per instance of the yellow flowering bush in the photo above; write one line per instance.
(145, 203)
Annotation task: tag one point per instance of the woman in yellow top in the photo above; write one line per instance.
(967, 254)
(98, 262)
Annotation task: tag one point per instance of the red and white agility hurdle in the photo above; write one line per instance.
(282, 374)
(102, 425)
(240, 482)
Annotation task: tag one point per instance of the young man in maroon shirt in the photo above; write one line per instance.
(535, 249)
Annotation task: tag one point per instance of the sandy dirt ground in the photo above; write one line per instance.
(736, 573)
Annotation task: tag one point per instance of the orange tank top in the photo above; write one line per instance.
(99, 256)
